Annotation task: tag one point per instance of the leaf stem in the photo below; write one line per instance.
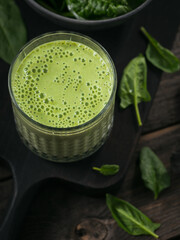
(137, 112)
(145, 32)
(96, 168)
(141, 226)
(149, 37)
(155, 196)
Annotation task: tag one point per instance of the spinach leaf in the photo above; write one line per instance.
(159, 56)
(154, 174)
(107, 169)
(98, 9)
(90, 9)
(12, 30)
(46, 5)
(133, 86)
(130, 218)
(57, 6)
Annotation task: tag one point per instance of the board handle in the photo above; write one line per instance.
(24, 191)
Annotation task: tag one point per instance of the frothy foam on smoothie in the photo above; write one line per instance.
(62, 84)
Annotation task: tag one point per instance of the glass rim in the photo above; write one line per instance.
(78, 127)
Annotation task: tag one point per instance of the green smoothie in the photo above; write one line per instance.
(62, 87)
(62, 84)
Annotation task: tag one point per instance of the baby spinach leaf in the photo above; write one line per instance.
(98, 9)
(12, 30)
(159, 56)
(107, 169)
(46, 4)
(57, 6)
(90, 9)
(130, 218)
(133, 86)
(153, 172)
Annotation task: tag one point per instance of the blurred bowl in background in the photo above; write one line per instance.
(86, 25)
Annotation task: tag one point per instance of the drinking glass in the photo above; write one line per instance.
(64, 144)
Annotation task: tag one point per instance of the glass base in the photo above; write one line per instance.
(68, 159)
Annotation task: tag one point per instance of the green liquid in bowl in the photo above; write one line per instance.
(63, 96)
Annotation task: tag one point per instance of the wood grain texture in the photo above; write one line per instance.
(125, 132)
(59, 212)
(166, 105)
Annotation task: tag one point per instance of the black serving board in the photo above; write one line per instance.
(161, 18)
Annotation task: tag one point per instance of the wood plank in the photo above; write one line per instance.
(166, 105)
(59, 212)
(125, 134)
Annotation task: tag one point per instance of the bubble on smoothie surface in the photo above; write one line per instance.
(62, 84)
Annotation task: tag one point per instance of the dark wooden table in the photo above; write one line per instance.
(60, 213)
